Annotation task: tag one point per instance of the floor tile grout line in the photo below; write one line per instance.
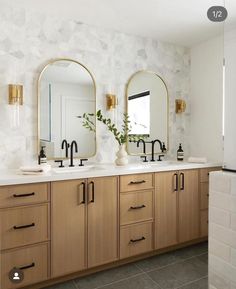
(188, 283)
(153, 281)
(122, 279)
(174, 263)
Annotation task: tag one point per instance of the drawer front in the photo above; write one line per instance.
(204, 173)
(204, 192)
(136, 182)
(136, 207)
(11, 196)
(23, 226)
(204, 223)
(35, 258)
(136, 239)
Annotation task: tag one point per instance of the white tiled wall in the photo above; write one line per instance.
(222, 231)
(29, 40)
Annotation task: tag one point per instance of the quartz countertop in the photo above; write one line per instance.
(15, 177)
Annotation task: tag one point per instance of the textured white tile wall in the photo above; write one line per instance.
(222, 231)
(28, 41)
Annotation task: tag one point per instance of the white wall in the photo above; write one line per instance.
(206, 100)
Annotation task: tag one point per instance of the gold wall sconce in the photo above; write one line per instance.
(15, 94)
(180, 105)
(111, 101)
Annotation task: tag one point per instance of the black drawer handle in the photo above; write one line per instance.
(24, 226)
(27, 266)
(23, 195)
(137, 182)
(137, 207)
(176, 182)
(181, 181)
(137, 240)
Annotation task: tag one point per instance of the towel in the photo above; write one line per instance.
(35, 170)
(197, 160)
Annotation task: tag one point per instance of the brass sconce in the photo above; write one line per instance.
(15, 95)
(111, 101)
(180, 105)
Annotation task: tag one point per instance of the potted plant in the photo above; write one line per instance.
(121, 136)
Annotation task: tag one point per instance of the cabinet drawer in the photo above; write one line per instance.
(204, 223)
(23, 194)
(136, 207)
(136, 182)
(136, 239)
(204, 193)
(23, 226)
(204, 173)
(34, 257)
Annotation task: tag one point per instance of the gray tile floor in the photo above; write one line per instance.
(186, 268)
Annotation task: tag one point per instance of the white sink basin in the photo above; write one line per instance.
(72, 169)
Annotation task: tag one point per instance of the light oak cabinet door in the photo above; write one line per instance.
(68, 227)
(102, 220)
(188, 206)
(166, 209)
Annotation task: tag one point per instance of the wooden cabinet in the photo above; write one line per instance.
(33, 261)
(136, 214)
(166, 209)
(24, 233)
(204, 198)
(188, 206)
(68, 249)
(136, 239)
(102, 221)
(176, 207)
(84, 224)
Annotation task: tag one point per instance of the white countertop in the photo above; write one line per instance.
(15, 177)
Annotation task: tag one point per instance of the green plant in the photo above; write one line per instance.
(121, 136)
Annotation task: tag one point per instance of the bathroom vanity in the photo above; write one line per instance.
(59, 226)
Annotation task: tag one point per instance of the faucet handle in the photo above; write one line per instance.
(81, 162)
(145, 158)
(61, 163)
(159, 158)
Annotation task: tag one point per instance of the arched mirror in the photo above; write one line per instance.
(148, 109)
(66, 90)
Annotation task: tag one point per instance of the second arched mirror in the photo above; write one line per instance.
(148, 109)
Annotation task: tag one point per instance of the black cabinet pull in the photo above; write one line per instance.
(92, 199)
(84, 191)
(24, 226)
(27, 266)
(137, 182)
(137, 240)
(176, 182)
(23, 195)
(137, 207)
(182, 181)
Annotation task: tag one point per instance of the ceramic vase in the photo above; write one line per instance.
(122, 156)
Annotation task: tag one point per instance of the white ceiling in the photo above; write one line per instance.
(182, 22)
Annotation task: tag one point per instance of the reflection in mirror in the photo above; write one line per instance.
(147, 107)
(66, 90)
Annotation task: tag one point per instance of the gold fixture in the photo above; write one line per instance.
(180, 105)
(15, 95)
(111, 101)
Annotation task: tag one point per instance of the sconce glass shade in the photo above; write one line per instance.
(15, 100)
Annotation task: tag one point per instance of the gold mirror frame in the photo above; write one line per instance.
(168, 104)
(38, 103)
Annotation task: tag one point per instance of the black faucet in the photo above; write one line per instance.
(72, 145)
(153, 146)
(144, 145)
(65, 145)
